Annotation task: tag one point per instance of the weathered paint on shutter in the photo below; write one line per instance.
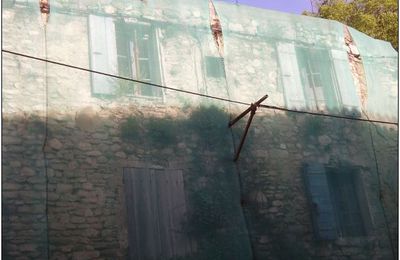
(290, 73)
(156, 209)
(344, 77)
(323, 214)
(103, 53)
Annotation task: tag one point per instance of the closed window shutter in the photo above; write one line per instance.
(344, 77)
(290, 74)
(103, 53)
(322, 209)
(156, 207)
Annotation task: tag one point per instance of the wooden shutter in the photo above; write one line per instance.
(156, 207)
(344, 77)
(322, 209)
(291, 79)
(103, 53)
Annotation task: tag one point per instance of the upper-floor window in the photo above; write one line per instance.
(317, 79)
(138, 56)
(125, 49)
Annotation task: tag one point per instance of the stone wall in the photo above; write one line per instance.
(184, 40)
(77, 201)
(23, 188)
(276, 204)
(65, 149)
(84, 198)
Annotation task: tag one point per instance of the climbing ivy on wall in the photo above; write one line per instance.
(214, 216)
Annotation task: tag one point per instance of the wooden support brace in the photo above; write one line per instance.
(252, 109)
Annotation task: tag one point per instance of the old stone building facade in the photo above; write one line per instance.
(99, 167)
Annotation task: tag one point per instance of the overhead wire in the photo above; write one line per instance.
(195, 93)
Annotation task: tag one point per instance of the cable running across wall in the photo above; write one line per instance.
(195, 93)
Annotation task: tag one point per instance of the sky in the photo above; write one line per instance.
(288, 6)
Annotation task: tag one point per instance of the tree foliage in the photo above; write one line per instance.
(376, 18)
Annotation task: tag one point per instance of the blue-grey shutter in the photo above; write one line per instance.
(323, 214)
(103, 54)
(344, 77)
(290, 74)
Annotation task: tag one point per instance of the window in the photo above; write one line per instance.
(317, 79)
(338, 203)
(214, 67)
(124, 49)
(138, 56)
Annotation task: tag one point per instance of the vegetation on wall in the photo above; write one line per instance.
(162, 132)
(130, 129)
(210, 124)
(214, 217)
(313, 126)
(214, 220)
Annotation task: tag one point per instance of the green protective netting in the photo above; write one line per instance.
(149, 42)
(380, 64)
(273, 166)
(302, 63)
(158, 184)
(109, 168)
(104, 153)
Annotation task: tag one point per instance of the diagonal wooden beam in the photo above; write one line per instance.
(252, 109)
(257, 104)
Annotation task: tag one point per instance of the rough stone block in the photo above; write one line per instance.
(84, 255)
(62, 187)
(10, 140)
(7, 186)
(77, 220)
(55, 144)
(28, 247)
(27, 172)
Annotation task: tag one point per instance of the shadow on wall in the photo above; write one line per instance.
(86, 197)
(284, 221)
(214, 219)
(85, 192)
